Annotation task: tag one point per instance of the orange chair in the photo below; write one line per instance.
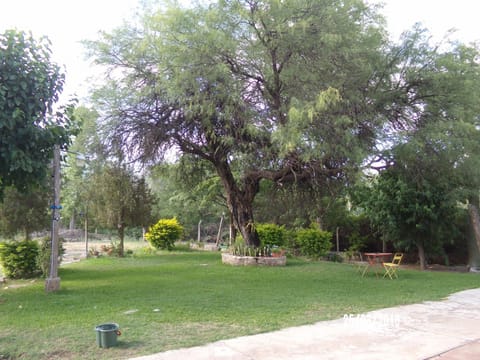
(391, 267)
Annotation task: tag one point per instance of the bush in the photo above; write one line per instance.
(271, 234)
(314, 242)
(113, 249)
(164, 233)
(19, 259)
(147, 250)
(43, 258)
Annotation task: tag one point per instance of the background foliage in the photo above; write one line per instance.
(313, 242)
(30, 85)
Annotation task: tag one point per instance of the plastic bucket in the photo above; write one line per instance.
(107, 335)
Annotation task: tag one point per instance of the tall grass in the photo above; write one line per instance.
(172, 300)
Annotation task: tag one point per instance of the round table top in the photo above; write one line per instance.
(378, 254)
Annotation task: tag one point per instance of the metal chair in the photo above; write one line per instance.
(391, 267)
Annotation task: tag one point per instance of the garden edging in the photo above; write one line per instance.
(237, 260)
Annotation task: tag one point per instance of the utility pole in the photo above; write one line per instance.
(52, 283)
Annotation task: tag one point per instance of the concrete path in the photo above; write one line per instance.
(442, 330)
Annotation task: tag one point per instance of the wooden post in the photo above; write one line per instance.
(219, 234)
(52, 283)
(199, 237)
(338, 240)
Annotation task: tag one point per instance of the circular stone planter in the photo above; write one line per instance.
(236, 260)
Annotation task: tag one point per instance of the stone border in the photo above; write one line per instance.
(236, 260)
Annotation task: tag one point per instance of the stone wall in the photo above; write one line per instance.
(253, 260)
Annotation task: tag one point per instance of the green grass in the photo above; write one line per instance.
(180, 299)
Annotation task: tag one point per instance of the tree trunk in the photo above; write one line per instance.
(240, 202)
(121, 235)
(199, 233)
(474, 238)
(232, 232)
(421, 255)
(71, 225)
(242, 211)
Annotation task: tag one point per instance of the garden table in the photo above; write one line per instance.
(374, 261)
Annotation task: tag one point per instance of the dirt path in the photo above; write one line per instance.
(74, 251)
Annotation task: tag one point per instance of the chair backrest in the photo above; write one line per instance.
(397, 258)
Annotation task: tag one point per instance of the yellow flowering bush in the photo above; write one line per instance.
(164, 233)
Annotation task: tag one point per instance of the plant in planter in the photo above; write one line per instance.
(240, 254)
(277, 252)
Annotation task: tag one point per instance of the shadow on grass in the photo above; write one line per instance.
(125, 344)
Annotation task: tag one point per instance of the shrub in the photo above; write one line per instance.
(164, 233)
(113, 249)
(147, 250)
(19, 259)
(271, 234)
(43, 258)
(314, 242)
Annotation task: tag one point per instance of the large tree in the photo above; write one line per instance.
(274, 90)
(434, 161)
(413, 210)
(30, 84)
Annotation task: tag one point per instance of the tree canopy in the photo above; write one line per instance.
(260, 89)
(30, 85)
(302, 91)
(433, 167)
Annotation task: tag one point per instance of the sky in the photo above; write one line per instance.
(437, 15)
(67, 22)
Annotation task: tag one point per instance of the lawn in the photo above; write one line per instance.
(178, 299)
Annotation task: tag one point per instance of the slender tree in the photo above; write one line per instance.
(100, 186)
(119, 199)
(85, 157)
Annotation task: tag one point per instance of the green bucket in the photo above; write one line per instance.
(107, 335)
